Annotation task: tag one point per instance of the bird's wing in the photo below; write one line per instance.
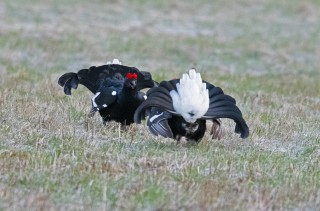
(158, 122)
(94, 76)
(224, 106)
(104, 98)
(141, 96)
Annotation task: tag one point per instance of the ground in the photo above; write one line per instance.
(264, 53)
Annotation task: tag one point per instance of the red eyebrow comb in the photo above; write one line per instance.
(132, 75)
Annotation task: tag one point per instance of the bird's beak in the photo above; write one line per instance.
(133, 84)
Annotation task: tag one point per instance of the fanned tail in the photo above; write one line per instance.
(94, 76)
(145, 81)
(87, 77)
(68, 81)
(224, 106)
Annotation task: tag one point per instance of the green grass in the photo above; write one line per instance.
(264, 53)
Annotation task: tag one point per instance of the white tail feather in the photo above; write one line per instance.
(114, 61)
(191, 99)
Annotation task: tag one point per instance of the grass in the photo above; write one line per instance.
(264, 53)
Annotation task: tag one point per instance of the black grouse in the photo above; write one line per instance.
(116, 89)
(179, 108)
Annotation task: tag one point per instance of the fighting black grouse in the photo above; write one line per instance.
(116, 89)
(179, 108)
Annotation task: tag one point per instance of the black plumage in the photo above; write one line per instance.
(164, 120)
(116, 88)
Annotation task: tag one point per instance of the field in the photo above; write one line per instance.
(264, 53)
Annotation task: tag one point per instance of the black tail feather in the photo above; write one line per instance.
(234, 114)
(169, 85)
(69, 80)
(222, 98)
(145, 81)
(146, 105)
(156, 97)
(214, 91)
(224, 106)
(94, 76)
(159, 92)
(65, 77)
(67, 87)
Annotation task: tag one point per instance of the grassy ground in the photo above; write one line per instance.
(264, 53)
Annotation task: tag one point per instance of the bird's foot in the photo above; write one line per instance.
(216, 129)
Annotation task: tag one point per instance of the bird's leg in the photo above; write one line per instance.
(91, 113)
(119, 130)
(123, 126)
(216, 129)
(178, 138)
(132, 129)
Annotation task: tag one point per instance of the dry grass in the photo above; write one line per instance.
(264, 53)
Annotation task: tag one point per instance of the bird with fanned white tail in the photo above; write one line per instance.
(180, 108)
(116, 89)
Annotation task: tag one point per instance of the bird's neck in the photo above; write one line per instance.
(128, 90)
(127, 94)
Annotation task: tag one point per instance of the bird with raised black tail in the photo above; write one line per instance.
(116, 89)
(180, 108)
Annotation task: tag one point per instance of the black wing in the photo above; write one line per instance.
(141, 96)
(104, 98)
(158, 122)
(94, 76)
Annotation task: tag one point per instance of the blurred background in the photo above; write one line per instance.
(241, 37)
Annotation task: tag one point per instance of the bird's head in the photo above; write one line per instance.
(190, 127)
(131, 80)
